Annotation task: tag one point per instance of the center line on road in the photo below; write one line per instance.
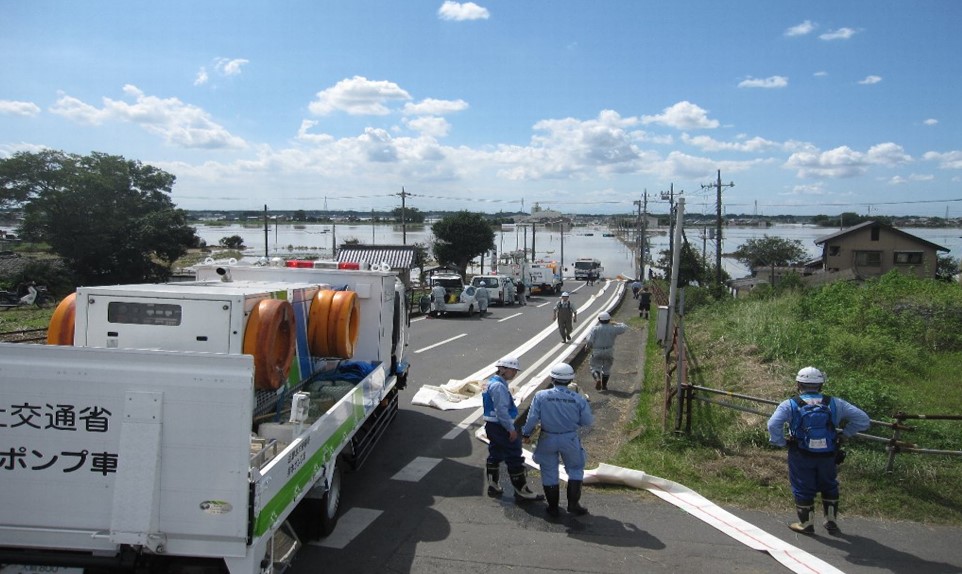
(429, 347)
(352, 523)
(416, 469)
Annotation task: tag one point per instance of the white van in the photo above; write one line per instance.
(501, 289)
(457, 298)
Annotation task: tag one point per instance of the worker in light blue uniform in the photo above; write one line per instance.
(601, 343)
(504, 442)
(561, 412)
(812, 473)
(481, 295)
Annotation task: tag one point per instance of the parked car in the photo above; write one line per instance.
(449, 294)
(501, 289)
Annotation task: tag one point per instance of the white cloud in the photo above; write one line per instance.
(16, 108)
(230, 67)
(684, 116)
(751, 145)
(433, 126)
(358, 96)
(844, 162)
(820, 74)
(769, 82)
(462, 11)
(201, 78)
(433, 107)
(808, 189)
(915, 177)
(840, 34)
(931, 122)
(179, 124)
(869, 80)
(948, 160)
(802, 29)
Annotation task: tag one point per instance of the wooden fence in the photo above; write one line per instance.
(677, 385)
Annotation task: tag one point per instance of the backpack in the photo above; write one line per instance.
(813, 425)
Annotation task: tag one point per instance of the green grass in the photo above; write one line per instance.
(889, 345)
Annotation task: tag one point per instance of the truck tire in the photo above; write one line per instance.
(327, 515)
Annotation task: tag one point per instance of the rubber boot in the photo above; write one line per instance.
(552, 494)
(597, 377)
(804, 524)
(831, 516)
(521, 491)
(493, 474)
(604, 382)
(574, 498)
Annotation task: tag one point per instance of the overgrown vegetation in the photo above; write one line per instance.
(892, 344)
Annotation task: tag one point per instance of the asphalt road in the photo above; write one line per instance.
(418, 505)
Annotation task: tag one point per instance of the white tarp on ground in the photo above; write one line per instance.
(795, 559)
(454, 394)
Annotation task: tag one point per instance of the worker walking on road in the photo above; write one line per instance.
(566, 315)
(522, 300)
(481, 295)
(561, 412)
(601, 343)
(644, 302)
(817, 424)
(504, 442)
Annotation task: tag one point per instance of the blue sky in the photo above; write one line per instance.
(808, 107)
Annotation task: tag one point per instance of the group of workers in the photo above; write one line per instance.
(816, 424)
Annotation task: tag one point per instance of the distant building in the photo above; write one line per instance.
(872, 249)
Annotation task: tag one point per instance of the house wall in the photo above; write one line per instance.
(841, 253)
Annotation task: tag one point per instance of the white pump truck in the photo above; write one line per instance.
(196, 425)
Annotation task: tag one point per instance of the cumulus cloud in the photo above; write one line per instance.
(433, 107)
(750, 145)
(460, 11)
(915, 177)
(931, 122)
(820, 74)
(229, 66)
(17, 108)
(358, 96)
(201, 78)
(179, 124)
(869, 80)
(806, 27)
(840, 34)
(684, 116)
(948, 160)
(433, 126)
(844, 162)
(769, 82)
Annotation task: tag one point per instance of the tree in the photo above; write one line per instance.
(232, 242)
(110, 219)
(691, 268)
(461, 237)
(771, 252)
(411, 215)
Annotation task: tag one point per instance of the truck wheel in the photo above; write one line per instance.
(327, 519)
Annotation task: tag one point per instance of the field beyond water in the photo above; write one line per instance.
(894, 344)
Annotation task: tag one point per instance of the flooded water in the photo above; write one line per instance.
(288, 239)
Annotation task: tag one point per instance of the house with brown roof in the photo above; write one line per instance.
(872, 249)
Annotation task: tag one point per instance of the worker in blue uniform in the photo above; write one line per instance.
(504, 442)
(561, 411)
(813, 453)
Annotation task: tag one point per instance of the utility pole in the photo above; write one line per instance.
(718, 185)
(404, 228)
(639, 240)
(670, 196)
(266, 236)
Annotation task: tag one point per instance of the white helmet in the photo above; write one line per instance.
(482, 284)
(604, 317)
(509, 363)
(565, 294)
(810, 376)
(562, 373)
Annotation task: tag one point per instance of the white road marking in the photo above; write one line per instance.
(509, 317)
(463, 425)
(349, 525)
(416, 469)
(429, 347)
